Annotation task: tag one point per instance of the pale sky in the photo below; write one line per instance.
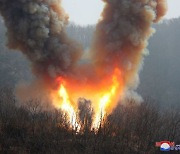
(84, 12)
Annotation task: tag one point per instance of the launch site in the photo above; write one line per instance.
(89, 76)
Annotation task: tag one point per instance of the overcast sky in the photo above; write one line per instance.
(86, 12)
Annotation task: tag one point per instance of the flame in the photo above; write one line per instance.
(104, 102)
(66, 105)
(63, 102)
(104, 96)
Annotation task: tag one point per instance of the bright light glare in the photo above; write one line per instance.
(83, 12)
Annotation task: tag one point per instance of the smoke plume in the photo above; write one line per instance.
(122, 35)
(37, 28)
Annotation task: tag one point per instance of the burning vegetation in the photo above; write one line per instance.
(37, 28)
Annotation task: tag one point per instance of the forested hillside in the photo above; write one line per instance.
(131, 129)
(13, 65)
(160, 78)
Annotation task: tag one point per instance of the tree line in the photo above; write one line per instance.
(131, 128)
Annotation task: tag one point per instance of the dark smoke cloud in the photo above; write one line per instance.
(36, 27)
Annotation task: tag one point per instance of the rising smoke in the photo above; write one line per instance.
(37, 28)
(121, 37)
(122, 34)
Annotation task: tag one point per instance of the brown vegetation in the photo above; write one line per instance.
(130, 129)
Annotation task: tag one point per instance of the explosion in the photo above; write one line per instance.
(37, 28)
(66, 106)
(102, 94)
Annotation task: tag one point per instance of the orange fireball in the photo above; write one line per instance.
(103, 94)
